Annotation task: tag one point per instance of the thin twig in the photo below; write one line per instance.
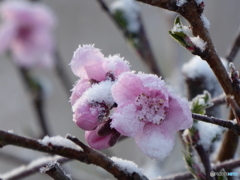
(62, 74)
(37, 97)
(54, 170)
(89, 157)
(31, 168)
(233, 50)
(227, 165)
(219, 100)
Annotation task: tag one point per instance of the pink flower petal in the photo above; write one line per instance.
(127, 88)
(179, 115)
(87, 63)
(7, 34)
(155, 142)
(97, 142)
(80, 87)
(85, 117)
(125, 121)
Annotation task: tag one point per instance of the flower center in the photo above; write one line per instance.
(151, 109)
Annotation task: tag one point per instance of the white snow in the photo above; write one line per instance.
(206, 22)
(197, 67)
(181, 2)
(34, 164)
(207, 133)
(126, 165)
(198, 42)
(59, 141)
(100, 92)
(131, 12)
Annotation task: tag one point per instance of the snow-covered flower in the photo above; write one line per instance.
(91, 97)
(148, 111)
(26, 30)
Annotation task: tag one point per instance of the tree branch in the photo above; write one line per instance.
(227, 124)
(233, 50)
(227, 165)
(192, 12)
(88, 155)
(54, 170)
(31, 168)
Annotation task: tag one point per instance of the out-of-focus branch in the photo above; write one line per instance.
(31, 168)
(54, 170)
(233, 50)
(143, 48)
(87, 155)
(62, 74)
(37, 97)
(192, 12)
(227, 165)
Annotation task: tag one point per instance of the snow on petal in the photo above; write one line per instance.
(116, 65)
(87, 63)
(155, 142)
(124, 120)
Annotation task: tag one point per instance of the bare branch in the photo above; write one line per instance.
(54, 170)
(233, 50)
(89, 157)
(227, 165)
(192, 12)
(31, 168)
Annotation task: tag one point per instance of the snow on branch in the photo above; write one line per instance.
(86, 155)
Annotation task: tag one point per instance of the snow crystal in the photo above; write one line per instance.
(206, 22)
(181, 2)
(131, 13)
(207, 133)
(100, 92)
(198, 42)
(59, 141)
(126, 165)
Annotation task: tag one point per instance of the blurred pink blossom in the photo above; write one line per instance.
(148, 111)
(26, 30)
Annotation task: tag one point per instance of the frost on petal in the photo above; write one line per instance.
(87, 63)
(155, 142)
(80, 87)
(125, 121)
(127, 88)
(97, 142)
(179, 115)
(84, 116)
(116, 65)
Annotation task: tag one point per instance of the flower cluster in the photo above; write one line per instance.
(109, 100)
(26, 30)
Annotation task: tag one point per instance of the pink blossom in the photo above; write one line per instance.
(148, 111)
(98, 142)
(91, 97)
(89, 63)
(26, 30)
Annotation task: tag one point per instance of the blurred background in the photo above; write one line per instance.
(84, 22)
